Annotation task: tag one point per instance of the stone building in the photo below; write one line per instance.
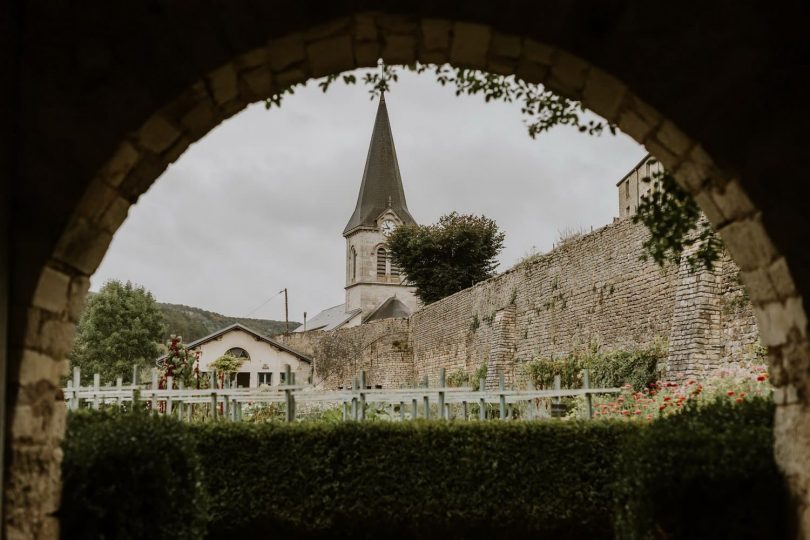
(633, 187)
(375, 287)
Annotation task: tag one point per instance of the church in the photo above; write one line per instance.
(375, 288)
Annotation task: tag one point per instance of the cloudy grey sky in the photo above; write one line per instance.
(259, 204)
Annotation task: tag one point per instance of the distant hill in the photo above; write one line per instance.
(193, 323)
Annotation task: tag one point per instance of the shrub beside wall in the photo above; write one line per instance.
(707, 473)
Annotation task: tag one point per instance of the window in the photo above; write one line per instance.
(238, 352)
(382, 260)
(266, 377)
(243, 380)
(354, 264)
(282, 378)
(394, 268)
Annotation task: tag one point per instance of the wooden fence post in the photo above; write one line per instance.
(414, 409)
(180, 403)
(426, 398)
(466, 410)
(362, 394)
(402, 411)
(226, 403)
(530, 409)
(213, 406)
(586, 384)
(288, 394)
(442, 412)
(154, 391)
(502, 397)
(119, 386)
(169, 385)
(77, 383)
(345, 411)
(96, 388)
(482, 387)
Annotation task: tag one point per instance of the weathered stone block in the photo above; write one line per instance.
(436, 34)
(603, 94)
(283, 53)
(51, 291)
(506, 46)
(332, 55)
(399, 49)
(470, 45)
(222, 82)
(120, 164)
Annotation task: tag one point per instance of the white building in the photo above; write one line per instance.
(265, 359)
(375, 288)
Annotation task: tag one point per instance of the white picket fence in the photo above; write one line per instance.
(228, 403)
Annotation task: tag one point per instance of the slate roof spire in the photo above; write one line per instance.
(381, 187)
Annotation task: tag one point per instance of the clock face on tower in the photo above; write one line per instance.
(388, 227)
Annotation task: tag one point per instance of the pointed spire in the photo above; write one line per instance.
(381, 187)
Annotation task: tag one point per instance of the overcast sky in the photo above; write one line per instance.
(260, 203)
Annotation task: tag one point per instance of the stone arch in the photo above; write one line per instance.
(236, 70)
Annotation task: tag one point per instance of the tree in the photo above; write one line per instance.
(120, 327)
(441, 259)
(679, 225)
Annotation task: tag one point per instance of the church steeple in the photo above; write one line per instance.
(381, 188)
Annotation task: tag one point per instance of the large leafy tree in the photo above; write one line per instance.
(441, 259)
(120, 327)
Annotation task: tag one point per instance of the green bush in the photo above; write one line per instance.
(637, 367)
(704, 473)
(130, 476)
(421, 479)
(708, 472)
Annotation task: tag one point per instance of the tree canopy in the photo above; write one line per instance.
(451, 255)
(120, 327)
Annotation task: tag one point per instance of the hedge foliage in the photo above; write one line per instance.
(708, 473)
(130, 476)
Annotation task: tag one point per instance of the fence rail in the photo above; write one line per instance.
(227, 402)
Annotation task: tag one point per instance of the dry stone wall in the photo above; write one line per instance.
(591, 291)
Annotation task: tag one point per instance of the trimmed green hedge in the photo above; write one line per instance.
(411, 480)
(708, 473)
(130, 476)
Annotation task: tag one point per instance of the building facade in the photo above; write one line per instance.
(265, 359)
(633, 187)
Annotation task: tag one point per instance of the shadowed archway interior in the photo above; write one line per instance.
(110, 95)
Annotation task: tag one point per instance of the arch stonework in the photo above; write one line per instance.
(129, 138)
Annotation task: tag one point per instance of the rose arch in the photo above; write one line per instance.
(110, 95)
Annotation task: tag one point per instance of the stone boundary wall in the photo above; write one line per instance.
(593, 290)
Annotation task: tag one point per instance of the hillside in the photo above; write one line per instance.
(193, 323)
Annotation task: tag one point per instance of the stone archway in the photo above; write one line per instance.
(251, 56)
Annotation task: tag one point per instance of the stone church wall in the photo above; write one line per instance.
(592, 290)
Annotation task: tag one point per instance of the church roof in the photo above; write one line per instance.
(391, 308)
(329, 319)
(382, 185)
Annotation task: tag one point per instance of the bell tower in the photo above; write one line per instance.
(371, 277)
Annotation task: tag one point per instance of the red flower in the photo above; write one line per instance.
(762, 377)
(730, 393)
(666, 398)
(739, 400)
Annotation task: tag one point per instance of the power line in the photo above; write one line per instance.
(264, 303)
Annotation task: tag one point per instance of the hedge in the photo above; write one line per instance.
(703, 474)
(130, 476)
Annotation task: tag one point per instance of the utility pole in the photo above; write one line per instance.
(286, 313)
